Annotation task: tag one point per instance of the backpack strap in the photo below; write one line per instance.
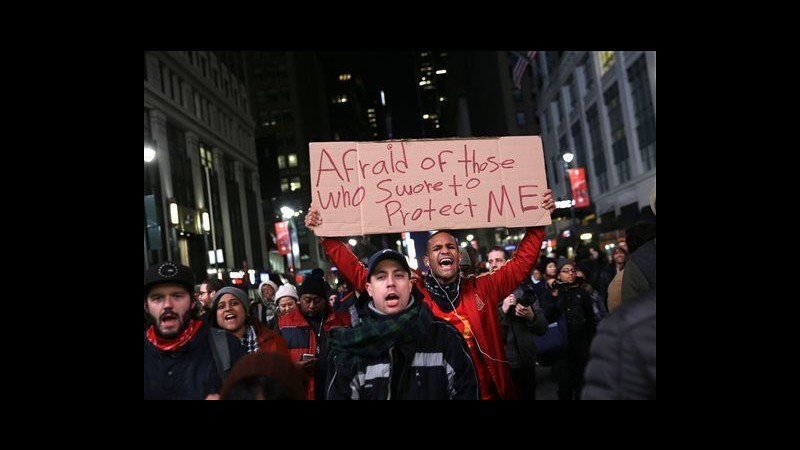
(220, 351)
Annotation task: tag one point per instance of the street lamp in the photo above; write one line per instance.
(568, 157)
(149, 152)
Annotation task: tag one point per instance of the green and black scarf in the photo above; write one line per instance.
(375, 336)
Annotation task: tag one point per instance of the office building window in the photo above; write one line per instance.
(180, 167)
(206, 157)
(580, 149)
(598, 152)
(606, 61)
(281, 161)
(284, 185)
(573, 94)
(588, 74)
(643, 111)
(619, 144)
(295, 184)
(292, 159)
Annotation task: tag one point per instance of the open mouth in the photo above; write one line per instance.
(168, 319)
(392, 299)
(229, 317)
(446, 262)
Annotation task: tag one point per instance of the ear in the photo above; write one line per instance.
(426, 261)
(369, 289)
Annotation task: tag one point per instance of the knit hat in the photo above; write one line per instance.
(313, 285)
(168, 272)
(384, 255)
(268, 283)
(317, 272)
(286, 290)
(466, 261)
(282, 380)
(238, 293)
(563, 262)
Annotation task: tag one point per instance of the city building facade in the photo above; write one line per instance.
(601, 107)
(202, 187)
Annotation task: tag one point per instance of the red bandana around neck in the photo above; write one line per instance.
(169, 345)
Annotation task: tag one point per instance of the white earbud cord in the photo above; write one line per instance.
(458, 292)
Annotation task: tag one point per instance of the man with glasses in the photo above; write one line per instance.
(566, 297)
(205, 297)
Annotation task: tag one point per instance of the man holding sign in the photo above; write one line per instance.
(439, 184)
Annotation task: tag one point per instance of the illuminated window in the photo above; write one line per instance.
(292, 160)
(284, 185)
(281, 161)
(295, 185)
(606, 61)
(206, 158)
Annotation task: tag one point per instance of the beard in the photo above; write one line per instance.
(185, 319)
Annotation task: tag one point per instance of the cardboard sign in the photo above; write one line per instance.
(417, 185)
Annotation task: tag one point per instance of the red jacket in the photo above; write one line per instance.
(270, 341)
(300, 338)
(480, 296)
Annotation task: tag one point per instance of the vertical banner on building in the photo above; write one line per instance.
(282, 238)
(580, 191)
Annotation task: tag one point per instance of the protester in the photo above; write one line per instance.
(399, 351)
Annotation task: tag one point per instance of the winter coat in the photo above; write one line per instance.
(475, 293)
(435, 366)
(188, 373)
(623, 354)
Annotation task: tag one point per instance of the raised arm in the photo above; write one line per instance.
(498, 285)
(348, 264)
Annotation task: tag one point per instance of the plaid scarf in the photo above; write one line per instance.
(443, 294)
(250, 340)
(375, 336)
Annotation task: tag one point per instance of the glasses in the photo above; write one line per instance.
(568, 270)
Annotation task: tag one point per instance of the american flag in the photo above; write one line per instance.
(520, 65)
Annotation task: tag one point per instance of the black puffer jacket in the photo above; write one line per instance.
(436, 366)
(623, 354)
